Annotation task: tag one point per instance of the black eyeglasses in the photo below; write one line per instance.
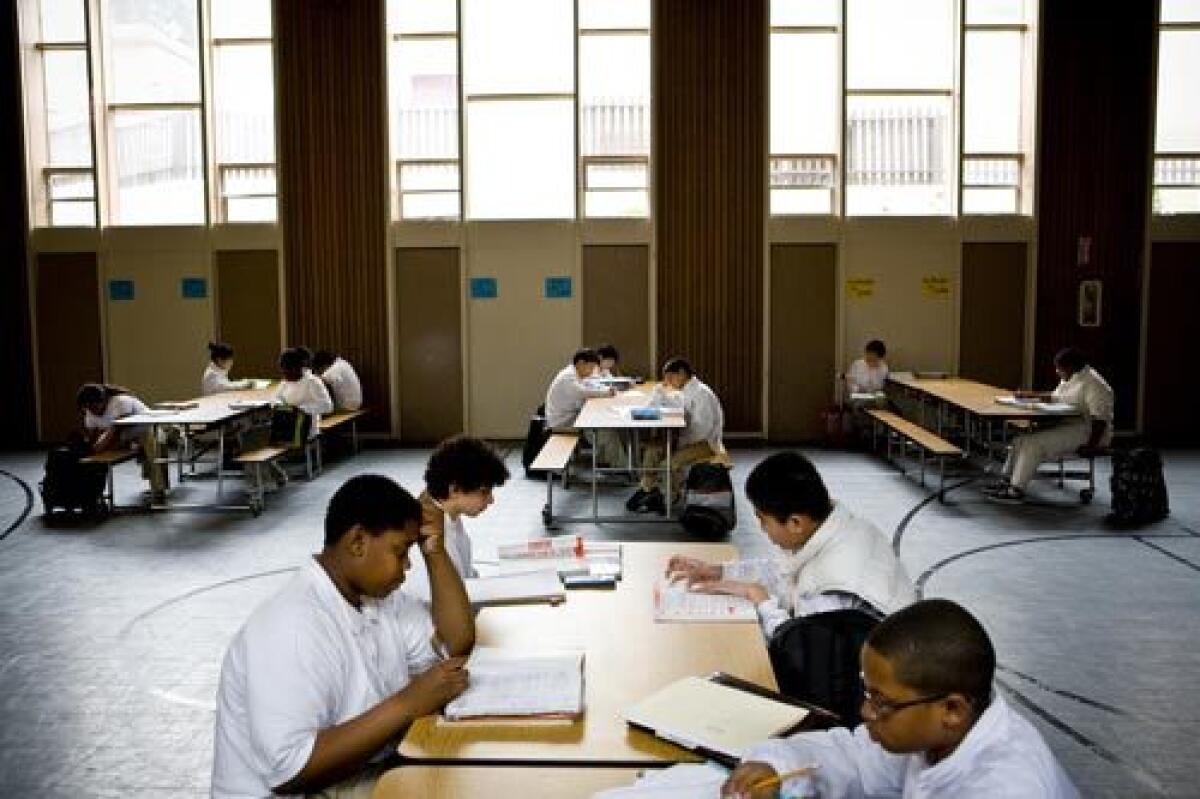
(882, 708)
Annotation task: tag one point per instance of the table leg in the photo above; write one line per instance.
(220, 463)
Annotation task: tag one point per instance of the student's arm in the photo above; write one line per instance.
(453, 620)
(343, 749)
(105, 440)
(681, 567)
(1098, 402)
(848, 764)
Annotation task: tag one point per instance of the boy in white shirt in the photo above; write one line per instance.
(302, 389)
(828, 558)
(216, 374)
(327, 674)
(568, 391)
(868, 374)
(102, 405)
(609, 358)
(934, 726)
(1083, 388)
(340, 378)
(700, 440)
(459, 479)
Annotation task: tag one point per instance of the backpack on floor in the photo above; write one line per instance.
(70, 485)
(535, 439)
(290, 427)
(708, 504)
(1139, 492)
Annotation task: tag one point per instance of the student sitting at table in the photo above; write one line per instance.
(934, 726)
(216, 374)
(340, 378)
(868, 374)
(1081, 387)
(459, 479)
(324, 676)
(700, 440)
(102, 405)
(302, 389)
(828, 558)
(568, 392)
(609, 358)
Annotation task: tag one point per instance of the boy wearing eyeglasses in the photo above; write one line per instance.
(933, 725)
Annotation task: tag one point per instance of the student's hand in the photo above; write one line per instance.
(433, 529)
(431, 690)
(693, 570)
(746, 775)
(752, 591)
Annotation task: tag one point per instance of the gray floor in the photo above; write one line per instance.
(111, 635)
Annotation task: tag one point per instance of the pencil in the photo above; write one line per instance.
(779, 779)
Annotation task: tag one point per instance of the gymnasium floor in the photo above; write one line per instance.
(111, 636)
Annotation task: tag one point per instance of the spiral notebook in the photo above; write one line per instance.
(507, 683)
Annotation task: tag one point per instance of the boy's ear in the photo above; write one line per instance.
(957, 711)
(356, 540)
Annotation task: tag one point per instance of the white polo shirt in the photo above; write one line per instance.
(119, 406)
(304, 661)
(344, 385)
(309, 395)
(565, 397)
(458, 546)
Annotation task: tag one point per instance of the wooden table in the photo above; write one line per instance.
(628, 657)
(469, 782)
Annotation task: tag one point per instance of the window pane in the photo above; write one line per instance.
(989, 201)
(250, 209)
(158, 167)
(422, 16)
(73, 214)
(991, 172)
(153, 51)
(248, 181)
(617, 204)
(805, 103)
(244, 103)
(424, 89)
(995, 12)
(614, 95)
(795, 202)
(429, 177)
(805, 12)
(519, 46)
(1176, 201)
(62, 21)
(899, 152)
(596, 14)
(1178, 128)
(617, 175)
(1181, 10)
(68, 119)
(521, 159)
(244, 19)
(992, 101)
(74, 186)
(439, 205)
(907, 45)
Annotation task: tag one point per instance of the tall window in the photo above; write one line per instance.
(152, 91)
(243, 106)
(806, 107)
(59, 140)
(423, 83)
(614, 107)
(1177, 130)
(997, 129)
(519, 86)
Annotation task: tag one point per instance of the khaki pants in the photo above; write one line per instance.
(1031, 450)
(655, 455)
(153, 470)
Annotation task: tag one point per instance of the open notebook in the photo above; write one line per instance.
(516, 589)
(674, 602)
(682, 781)
(508, 683)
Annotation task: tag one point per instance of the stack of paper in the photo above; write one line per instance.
(1055, 407)
(510, 683)
(683, 781)
(516, 589)
(568, 555)
(674, 602)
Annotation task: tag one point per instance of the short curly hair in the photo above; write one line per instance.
(466, 463)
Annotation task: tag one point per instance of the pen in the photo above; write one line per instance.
(779, 779)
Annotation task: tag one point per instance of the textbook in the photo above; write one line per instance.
(719, 717)
(674, 602)
(569, 555)
(516, 589)
(510, 683)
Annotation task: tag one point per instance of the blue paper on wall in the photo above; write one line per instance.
(558, 288)
(484, 288)
(120, 289)
(194, 288)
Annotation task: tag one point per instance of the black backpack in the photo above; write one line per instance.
(1139, 491)
(708, 504)
(70, 485)
(290, 427)
(816, 659)
(535, 439)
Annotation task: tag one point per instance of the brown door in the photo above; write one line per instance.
(431, 368)
(1173, 328)
(248, 309)
(803, 338)
(69, 336)
(992, 331)
(616, 304)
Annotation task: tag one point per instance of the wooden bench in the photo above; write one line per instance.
(927, 443)
(554, 458)
(333, 421)
(254, 461)
(109, 459)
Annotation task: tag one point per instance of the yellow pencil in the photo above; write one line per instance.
(779, 779)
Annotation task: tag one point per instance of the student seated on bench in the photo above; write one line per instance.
(935, 726)
(828, 558)
(1081, 387)
(216, 375)
(699, 441)
(459, 479)
(325, 676)
(566, 396)
(340, 378)
(102, 404)
(868, 374)
(609, 358)
(301, 388)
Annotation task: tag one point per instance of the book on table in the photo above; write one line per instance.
(511, 683)
(181, 405)
(673, 601)
(516, 589)
(569, 555)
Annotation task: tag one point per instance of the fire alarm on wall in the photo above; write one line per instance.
(1083, 251)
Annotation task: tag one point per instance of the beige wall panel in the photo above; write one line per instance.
(616, 303)
(248, 309)
(428, 290)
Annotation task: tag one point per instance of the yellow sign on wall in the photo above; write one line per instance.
(935, 286)
(858, 288)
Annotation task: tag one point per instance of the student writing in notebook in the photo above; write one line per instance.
(935, 726)
(102, 405)
(216, 375)
(459, 479)
(325, 675)
(609, 358)
(868, 374)
(301, 389)
(827, 558)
